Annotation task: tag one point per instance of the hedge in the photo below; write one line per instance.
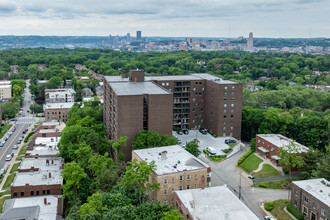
(269, 206)
(294, 212)
(244, 157)
(261, 185)
(285, 170)
(206, 152)
(26, 139)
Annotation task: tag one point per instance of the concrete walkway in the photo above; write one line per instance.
(267, 161)
(273, 178)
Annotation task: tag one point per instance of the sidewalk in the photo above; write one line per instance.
(267, 161)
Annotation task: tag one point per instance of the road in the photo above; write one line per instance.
(21, 124)
(226, 172)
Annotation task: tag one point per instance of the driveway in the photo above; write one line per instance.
(204, 141)
(226, 172)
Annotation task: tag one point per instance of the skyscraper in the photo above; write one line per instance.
(128, 37)
(249, 46)
(138, 36)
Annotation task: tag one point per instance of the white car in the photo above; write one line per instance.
(270, 218)
(8, 157)
(211, 150)
(15, 146)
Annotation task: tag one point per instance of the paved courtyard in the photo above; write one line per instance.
(204, 141)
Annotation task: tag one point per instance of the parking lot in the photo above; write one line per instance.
(204, 141)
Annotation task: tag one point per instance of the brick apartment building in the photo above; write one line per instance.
(211, 203)
(176, 169)
(197, 100)
(312, 198)
(268, 145)
(57, 111)
(26, 184)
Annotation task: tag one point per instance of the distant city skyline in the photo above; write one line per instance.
(269, 19)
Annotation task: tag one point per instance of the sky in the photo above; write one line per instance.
(167, 18)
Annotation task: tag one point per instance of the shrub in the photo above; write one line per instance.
(26, 139)
(244, 157)
(285, 170)
(206, 152)
(261, 185)
(294, 212)
(269, 206)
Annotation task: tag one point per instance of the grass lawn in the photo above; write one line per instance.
(266, 171)
(4, 129)
(5, 192)
(278, 184)
(217, 158)
(278, 210)
(3, 201)
(9, 180)
(232, 144)
(22, 151)
(15, 167)
(251, 163)
(20, 157)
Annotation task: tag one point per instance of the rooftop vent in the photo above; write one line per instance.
(178, 161)
(163, 155)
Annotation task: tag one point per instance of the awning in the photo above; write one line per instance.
(263, 150)
(275, 157)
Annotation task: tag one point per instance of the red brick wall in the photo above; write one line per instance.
(54, 190)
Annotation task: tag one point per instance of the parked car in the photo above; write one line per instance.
(28, 110)
(227, 141)
(14, 129)
(10, 133)
(270, 218)
(2, 172)
(1, 144)
(15, 146)
(185, 131)
(251, 176)
(203, 131)
(8, 157)
(13, 119)
(19, 141)
(211, 150)
(6, 138)
(179, 132)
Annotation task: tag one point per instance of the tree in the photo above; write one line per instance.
(36, 108)
(117, 148)
(137, 176)
(312, 159)
(94, 204)
(73, 175)
(149, 139)
(9, 109)
(192, 147)
(323, 167)
(291, 157)
(172, 215)
(54, 82)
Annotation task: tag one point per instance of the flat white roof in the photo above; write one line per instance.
(216, 203)
(177, 159)
(54, 163)
(137, 88)
(5, 86)
(282, 141)
(44, 150)
(48, 141)
(49, 211)
(59, 91)
(64, 105)
(319, 188)
(38, 178)
(213, 78)
(5, 82)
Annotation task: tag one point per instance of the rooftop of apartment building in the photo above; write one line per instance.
(137, 88)
(42, 163)
(48, 141)
(192, 76)
(31, 208)
(52, 177)
(59, 91)
(171, 159)
(50, 127)
(5, 86)
(204, 204)
(5, 82)
(282, 141)
(319, 188)
(41, 151)
(61, 105)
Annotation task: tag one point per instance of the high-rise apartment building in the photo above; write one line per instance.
(128, 37)
(138, 36)
(249, 46)
(162, 103)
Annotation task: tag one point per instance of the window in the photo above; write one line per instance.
(232, 105)
(305, 211)
(165, 181)
(173, 180)
(172, 189)
(188, 186)
(208, 174)
(225, 93)
(22, 194)
(233, 93)
(165, 202)
(195, 186)
(32, 193)
(181, 178)
(188, 177)
(232, 116)
(181, 187)
(163, 84)
(314, 205)
(224, 122)
(224, 128)
(15, 194)
(48, 191)
(194, 99)
(43, 192)
(323, 212)
(37, 192)
(165, 191)
(226, 87)
(233, 87)
(295, 203)
(225, 99)
(167, 84)
(194, 89)
(196, 176)
(225, 105)
(258, 141)
(231, 128)
(305, 199)
(225, 111)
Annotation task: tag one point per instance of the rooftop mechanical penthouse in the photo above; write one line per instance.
(163, 103)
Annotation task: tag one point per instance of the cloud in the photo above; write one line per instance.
(7, 7)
